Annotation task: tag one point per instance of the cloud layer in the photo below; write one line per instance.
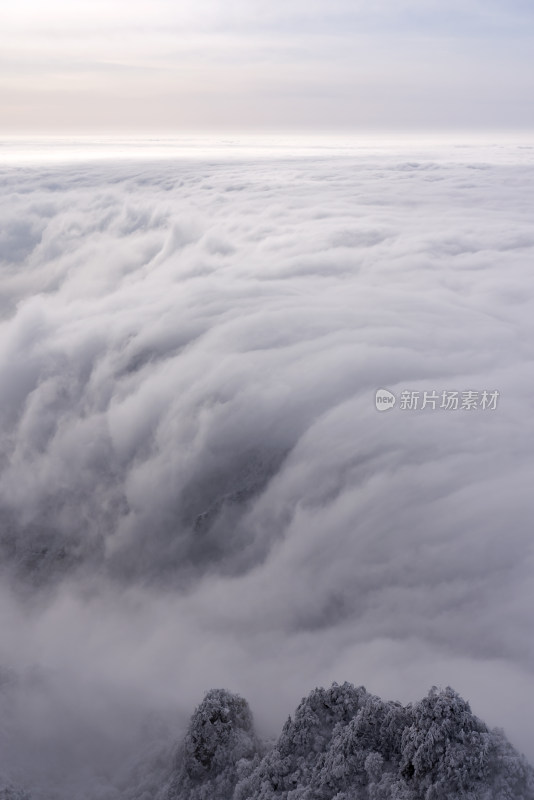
(196, 488)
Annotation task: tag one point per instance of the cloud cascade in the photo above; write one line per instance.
(196, 488)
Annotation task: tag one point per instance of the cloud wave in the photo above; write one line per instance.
(196, 488)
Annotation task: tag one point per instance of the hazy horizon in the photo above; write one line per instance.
(495, 146)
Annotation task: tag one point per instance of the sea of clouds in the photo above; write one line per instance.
(196, 489)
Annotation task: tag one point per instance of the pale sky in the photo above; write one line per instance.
(157, 65)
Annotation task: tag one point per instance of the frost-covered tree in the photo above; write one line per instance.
(346, 744)
(293, 762)
(448, 752)
(219, 748)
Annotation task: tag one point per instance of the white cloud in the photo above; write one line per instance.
(196, 488)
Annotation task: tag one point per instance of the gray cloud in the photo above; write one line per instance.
(196, 489)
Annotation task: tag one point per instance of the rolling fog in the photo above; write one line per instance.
(196, 489)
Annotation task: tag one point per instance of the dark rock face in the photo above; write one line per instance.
(346, 744)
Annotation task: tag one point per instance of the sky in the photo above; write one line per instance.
(162, 66)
